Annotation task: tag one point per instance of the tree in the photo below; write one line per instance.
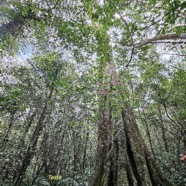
(69, 40)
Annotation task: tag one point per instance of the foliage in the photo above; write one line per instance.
(52, 109)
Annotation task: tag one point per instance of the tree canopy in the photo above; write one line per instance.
(92, 92)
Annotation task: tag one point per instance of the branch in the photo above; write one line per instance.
(125, 22)
(131, 55)
(169, 42)
(160, 38)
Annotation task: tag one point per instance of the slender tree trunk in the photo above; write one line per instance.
(10, 125)
(113, 163)
(39, 127)
(85, 152)
(30, 151)
(147, 131)
(163, 130)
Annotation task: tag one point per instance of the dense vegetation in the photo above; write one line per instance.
(92, 92)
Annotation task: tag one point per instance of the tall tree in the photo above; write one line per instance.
(109, 39)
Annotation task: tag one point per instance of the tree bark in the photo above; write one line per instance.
(104, 137)
(144, 167)
(105, 127)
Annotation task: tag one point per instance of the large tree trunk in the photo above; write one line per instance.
(104, 140)
(144, 168)
(106, 82)
(140, 167)
(102, 150)
(106, 145)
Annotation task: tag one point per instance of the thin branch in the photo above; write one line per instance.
(125, 22)
(182, 55)
(129, 31)
(132, 53)
(55, 4)
(177, 68)
(166, 111)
